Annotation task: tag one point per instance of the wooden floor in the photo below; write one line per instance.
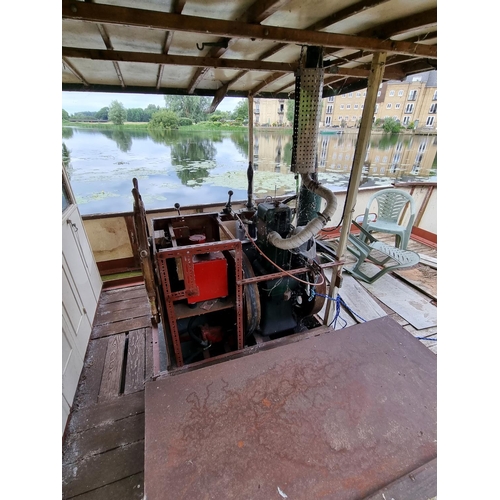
(103, 447)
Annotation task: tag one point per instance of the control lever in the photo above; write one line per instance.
(177, 206)
(227, 208)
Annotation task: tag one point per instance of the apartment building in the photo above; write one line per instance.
(269, 112)
(412, 101)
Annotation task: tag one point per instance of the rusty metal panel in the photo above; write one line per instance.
(337, 416)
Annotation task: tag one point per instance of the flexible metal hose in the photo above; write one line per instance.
(313, 227)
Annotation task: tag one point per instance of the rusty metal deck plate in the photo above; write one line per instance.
(337, 416)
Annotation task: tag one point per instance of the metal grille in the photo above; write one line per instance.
(311, 90)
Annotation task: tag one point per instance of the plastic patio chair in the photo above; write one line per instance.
(367, 248)
(391, 203)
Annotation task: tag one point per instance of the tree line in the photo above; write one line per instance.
(178, 111)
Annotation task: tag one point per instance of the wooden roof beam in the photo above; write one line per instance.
(110, 14)
(265, 83)
(256, 13)
(322, 24)
(75, 71)
(152, 58)
(169, 35)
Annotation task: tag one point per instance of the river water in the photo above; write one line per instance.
(188, 167)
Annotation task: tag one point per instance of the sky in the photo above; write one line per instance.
(73, 102)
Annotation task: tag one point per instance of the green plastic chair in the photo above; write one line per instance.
(391, 203)
(389, 258)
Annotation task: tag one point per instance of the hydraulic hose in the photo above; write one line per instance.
(313, 227)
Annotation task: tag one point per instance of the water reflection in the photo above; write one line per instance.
(200, 167)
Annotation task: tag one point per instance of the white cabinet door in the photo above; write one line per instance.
(81, 287)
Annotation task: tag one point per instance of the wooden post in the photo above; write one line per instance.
(374, 81)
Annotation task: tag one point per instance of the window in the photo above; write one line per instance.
(433, 108)
(349, 94)
(412, 96)
(343, 96)
(356, 106)
(389, 105)
(400, 93)
(328, 120)
(417, 79)
(406, 120)
(353, 118)
(378, 93)
(391, 93)
(430, 121)
(340, 156)
(364, 94)
(348, 106)
(397, 105)
(435, 96)
(331, 98)
(409, 108)
(362, 106)
(376, 108)
(340, 118)
(329, 109)
(341, 106)
(358, 94)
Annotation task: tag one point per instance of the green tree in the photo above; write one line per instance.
(65, 115)
(164, 119)
(240, 112)
(117, 113)
(102, 114)
(392, 126)
(135, 115)
(194, 107)
(290, 110)
(148, 112)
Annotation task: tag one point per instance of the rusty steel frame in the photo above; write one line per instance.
(186, 253)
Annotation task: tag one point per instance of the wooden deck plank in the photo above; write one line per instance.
(408, 303)
(134, 376)
(106, 317)
(359, 300)
(112, 372)
(103, 438)
(418, 484)
(120, 327)
(90, 381)
(98, 414)
(128, 304)
(103, 469)
(130, 488)
(120, 294)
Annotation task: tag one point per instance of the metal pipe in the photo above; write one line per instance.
(250, 152)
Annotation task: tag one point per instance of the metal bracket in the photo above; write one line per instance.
(213, 44)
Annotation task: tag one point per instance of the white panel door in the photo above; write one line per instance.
(81, 287)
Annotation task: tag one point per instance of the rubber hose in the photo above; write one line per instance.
(313, 227)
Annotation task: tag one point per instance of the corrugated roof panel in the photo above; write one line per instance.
(139, 74)
(135, 39)
(96, 72)
(77, 34)
(157, 5)
(217, 9)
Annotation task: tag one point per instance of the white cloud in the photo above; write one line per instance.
(73, 102)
